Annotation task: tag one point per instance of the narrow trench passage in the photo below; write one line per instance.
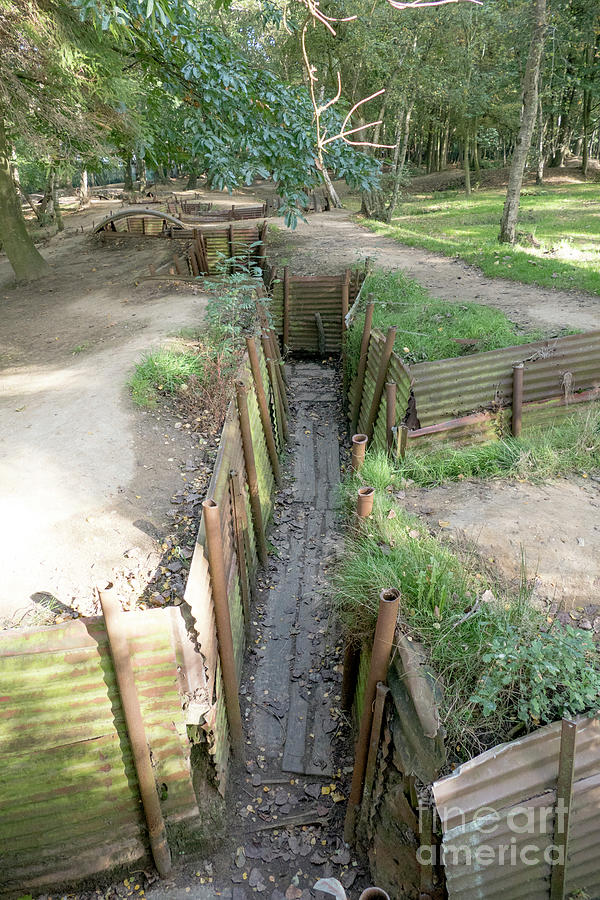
(287, 802)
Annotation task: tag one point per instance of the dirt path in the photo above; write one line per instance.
(329, 242)
(85, 477)
(286, 804)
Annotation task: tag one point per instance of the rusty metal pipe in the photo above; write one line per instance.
(403, 440)
(119, 649)
(263, 407)
(517, 399)
(390, 413)
(218, 583)
(251, 474)
(364, 504)
(389, 601)
(359, 446)
(388, 349)
(362, 363)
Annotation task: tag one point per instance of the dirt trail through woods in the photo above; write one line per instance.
(329, 242)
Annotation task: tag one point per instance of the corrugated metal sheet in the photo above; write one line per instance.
(69, 801)
(520, 775)
(309, 295)
(398, 373)
(198, 594)
(448, 388)
(373, 360)
(476, 428)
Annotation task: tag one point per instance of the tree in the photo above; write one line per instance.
(508, 226)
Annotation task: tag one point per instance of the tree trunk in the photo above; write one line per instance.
(563, 138)
(334, 200)
(84, 189)
(45, 209)
(141, 174)
(539, 175)
(14, 171)
(28, 264)
(127, 178)
(467, 164)
(192, 181)
(399, 160)
(508, 226)
(56, 204)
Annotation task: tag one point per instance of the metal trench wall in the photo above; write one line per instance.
(507, 798)
(70, 805)
(69, 800)
(198, 593)
(469, 398)
(296, 300)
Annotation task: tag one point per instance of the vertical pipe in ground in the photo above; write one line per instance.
(119, 648)
(389, 601)
(263, 407)
(251, 474)
(517, 399)
(362, 364)
(390, 414)
(218, 583)
(381, 376)
(364, 503)
(359, 446)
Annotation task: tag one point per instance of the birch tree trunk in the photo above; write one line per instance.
(508, 226)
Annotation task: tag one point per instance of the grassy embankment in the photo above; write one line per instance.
(559, 226)
(503, 665)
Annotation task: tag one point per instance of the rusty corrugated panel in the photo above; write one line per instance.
(69, 802)
(373, 359)
(198, 592)
(520, 775)
(398, 373)
(449, 388)
(550, 412)
(476, 428)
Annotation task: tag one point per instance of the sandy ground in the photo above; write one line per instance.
(84, 476)
(330, 242)
(556, 526)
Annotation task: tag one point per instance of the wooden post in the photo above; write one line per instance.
(403, 438)
(517, 400)
(231, 249)
(119, 649)
(263, 407)
(322, 346)
(345, 299)
(362, 363)
(238, 510)
(274, 354)
(178, 266)
(390, 414)
(381, 376)
(286, 308)
(218, 581)
(194, 263)
(564, 802)
(251, 474)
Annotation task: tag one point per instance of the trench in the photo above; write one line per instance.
(287, 798)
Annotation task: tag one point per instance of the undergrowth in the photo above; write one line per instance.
(429, 328)
(504, 666)
(198, 365)
(570, 446)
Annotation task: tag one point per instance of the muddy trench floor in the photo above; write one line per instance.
(286, 799)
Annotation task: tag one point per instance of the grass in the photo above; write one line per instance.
(165, 371)
(470, 622)
(563, 219)
(429, 328)
(572, 445)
